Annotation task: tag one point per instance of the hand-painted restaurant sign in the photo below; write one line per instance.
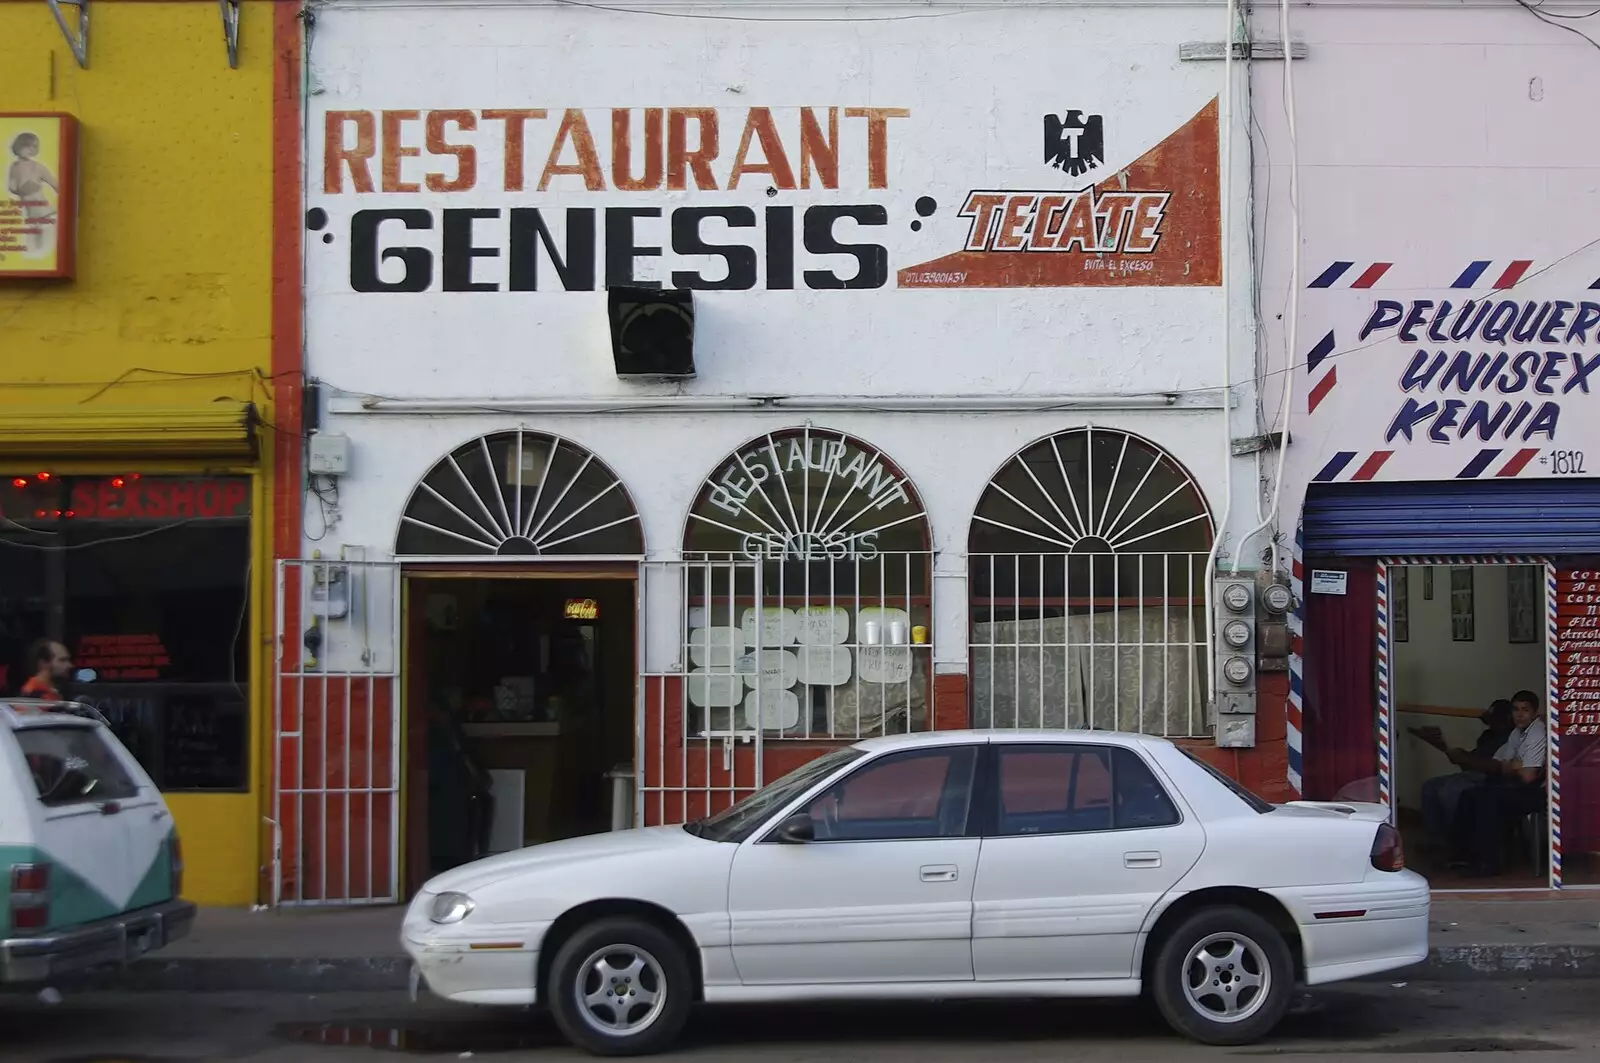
(811, 496)
(561, 199)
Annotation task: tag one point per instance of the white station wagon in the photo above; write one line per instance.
(951, 865)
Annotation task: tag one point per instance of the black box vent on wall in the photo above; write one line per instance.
(652, 332)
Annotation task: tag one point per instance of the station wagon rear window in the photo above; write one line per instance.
(74, 764)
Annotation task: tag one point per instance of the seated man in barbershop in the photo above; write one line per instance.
(1514, 788)
(1441, 793)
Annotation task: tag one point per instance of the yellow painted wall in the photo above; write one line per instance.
(170, 306)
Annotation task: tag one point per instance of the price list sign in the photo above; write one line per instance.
(1578, 639)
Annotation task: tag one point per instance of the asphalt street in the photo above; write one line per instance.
(1541, 1021)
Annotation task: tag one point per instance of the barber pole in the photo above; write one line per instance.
(1385, 722)
(1553, 727)
(1295, 730)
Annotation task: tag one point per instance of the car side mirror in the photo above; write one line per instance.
(796, 830)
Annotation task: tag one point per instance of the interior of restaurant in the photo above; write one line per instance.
(520, 712)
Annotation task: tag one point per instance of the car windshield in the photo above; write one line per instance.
(1260, 805)
(736, 823)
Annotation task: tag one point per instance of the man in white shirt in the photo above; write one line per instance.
(1514, 788)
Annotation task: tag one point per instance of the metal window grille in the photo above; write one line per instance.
(1086, 570)
(1095, 641)
(820, 649)
(519, 494)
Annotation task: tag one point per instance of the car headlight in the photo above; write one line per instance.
(450, 908)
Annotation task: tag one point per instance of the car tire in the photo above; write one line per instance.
(620, 987)
(1225, 976)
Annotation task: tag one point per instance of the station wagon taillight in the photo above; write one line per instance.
(30, 896)
(177, 866)
(1388, 853)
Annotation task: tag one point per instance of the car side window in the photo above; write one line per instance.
(924, 793)
(1070, 789)
(1141, 799)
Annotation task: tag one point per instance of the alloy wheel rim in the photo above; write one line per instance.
(1226, 977)
(620, 990)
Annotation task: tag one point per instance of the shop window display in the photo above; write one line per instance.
(809, 614)
(145, 579)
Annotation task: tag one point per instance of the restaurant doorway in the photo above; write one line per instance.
(519, 708)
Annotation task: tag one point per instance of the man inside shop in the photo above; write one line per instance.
(51, 664)
(1441, 793)
(1513, 788)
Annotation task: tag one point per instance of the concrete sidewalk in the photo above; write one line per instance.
(1486, 936)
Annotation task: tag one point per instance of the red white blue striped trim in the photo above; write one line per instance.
(1508, 274)
(1493, 462)
(1295, 730)
(1553, 700)
(1353, 466)
(1385, 710)
(1369, 275)
(1320, 385)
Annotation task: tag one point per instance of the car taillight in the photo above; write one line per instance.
(30, 896)
(177, 867)
(1388, 852)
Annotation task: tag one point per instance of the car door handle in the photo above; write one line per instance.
(1146, 859)
(939, 873)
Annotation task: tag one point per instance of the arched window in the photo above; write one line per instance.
(519, 494)
(809, 612)
(1086, 574)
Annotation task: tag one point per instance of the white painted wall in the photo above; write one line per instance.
(1430, 136)
(1431, 668)
(976, 81)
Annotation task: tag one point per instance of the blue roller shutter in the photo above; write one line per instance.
(1543, 516)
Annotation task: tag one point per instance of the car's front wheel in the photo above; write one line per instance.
(1223, 977)
(620, 987)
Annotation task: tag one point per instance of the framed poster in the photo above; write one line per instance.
(1522, 589)
(39, 196)
(1463, 626)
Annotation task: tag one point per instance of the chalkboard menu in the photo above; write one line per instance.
(1578, 640)
(187, 736)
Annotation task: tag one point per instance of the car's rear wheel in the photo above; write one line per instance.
(620, 987)
(1223, 977)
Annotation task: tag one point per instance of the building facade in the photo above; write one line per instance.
(955, 446)
(139, 400)
(1436, 494)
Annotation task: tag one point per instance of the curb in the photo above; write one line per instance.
(1467, 963)
(243, 975)
(1455, 963)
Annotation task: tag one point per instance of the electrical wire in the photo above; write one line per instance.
(1292, 323)
(1550, 18)
(1226, 182)
(48, 547)
(1540, 9)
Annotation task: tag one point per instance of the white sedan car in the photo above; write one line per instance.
(957, 864)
